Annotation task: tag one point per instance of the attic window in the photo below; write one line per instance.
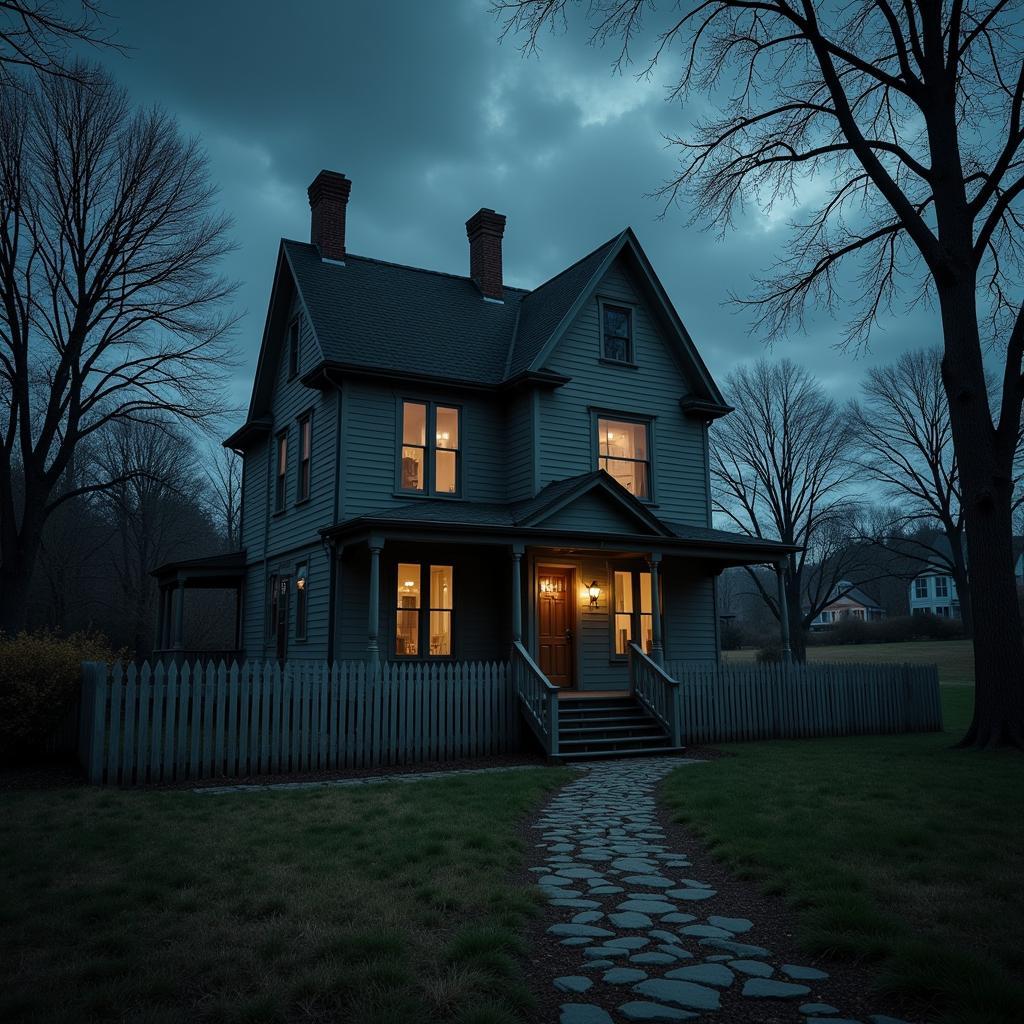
(617, 334)
(293, 348)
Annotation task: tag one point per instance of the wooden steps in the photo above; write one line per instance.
(612, 726)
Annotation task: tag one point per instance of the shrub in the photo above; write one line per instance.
(40, 677)
(886, 631)
(770, 653)
(732, 635)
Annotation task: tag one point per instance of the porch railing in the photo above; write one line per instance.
(538, 697)
(657, 691)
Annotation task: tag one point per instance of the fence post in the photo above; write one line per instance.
(677, 728)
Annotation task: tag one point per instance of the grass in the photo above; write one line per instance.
(954, 657)
(895, 850)
(385, 903)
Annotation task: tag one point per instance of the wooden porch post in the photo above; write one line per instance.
(179, 616)
(373, 627)
(780, 574)
(657, 647)
(517, 593)
(161, 615)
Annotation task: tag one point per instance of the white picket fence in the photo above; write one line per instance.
(725, 702)
(164, 723)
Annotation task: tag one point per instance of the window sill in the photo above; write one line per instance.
(277, 513)
(301, 502)
(626, 364)
(419, 495)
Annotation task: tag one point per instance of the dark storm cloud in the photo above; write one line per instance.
(431, 119)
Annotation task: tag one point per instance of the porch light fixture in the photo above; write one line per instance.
(594, 592)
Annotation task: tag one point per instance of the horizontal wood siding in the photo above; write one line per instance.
(597, 669)
(518, 447)
(652, 389)
(254, 498)
(371, 437)
(165, 723)
(689, 612)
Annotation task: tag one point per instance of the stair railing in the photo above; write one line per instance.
(657, 691)
(538, 697)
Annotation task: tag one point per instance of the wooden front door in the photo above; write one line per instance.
(281, 626)
(555, 624)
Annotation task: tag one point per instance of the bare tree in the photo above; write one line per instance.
(224, 487)
(904, 442)
(909, 119)
(36, 35)
(111, 307)
(780, 468)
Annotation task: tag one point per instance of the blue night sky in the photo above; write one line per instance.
(432, 118)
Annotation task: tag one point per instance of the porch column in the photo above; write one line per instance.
(161, 613)
(179, 616)
(373, 627)
(780, 575)
(517, 593)
(657, 648)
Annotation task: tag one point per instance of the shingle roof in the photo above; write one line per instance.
(543, 309)
(386, 316)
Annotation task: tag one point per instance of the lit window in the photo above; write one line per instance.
(282, 470)
(409, 621)
(921, 587)
(293, 348)
(617, 343)
(430, 448)
(301, 600)
(305, 455)
(622, 452)
(633, 611)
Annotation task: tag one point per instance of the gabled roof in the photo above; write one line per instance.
(372, 316)
(854, 594)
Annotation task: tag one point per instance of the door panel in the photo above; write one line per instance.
(555, 624)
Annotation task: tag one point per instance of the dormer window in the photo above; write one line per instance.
(617, 333)
(293, 348)
(430, 453)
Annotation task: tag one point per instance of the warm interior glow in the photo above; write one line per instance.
(622, 453)
(414, 440)
(446, 468)
(440, 610)
(623, 611)
(407, 618)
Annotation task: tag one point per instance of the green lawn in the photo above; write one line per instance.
(954, 657)
(385, 903)
(897, 850)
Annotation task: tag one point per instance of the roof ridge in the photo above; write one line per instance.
(572, 266)
(405, 266)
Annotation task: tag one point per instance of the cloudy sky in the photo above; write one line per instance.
(431, 119)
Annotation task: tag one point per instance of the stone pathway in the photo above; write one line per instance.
(652, 942)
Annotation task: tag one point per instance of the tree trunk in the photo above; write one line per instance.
(986, 478)
(962, 582)
(14, 583)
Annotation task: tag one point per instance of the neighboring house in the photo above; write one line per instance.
(848, 602)
(933, 591)
(436, 465)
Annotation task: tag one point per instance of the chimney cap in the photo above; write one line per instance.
(485, 219)
(329, 183)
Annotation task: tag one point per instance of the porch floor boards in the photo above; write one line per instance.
(592, 694)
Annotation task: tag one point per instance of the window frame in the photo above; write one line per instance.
(636, 616)
(921, 584)
(304, 470)
(423, 612)
(629, 308)
(430, 449)
(301, 602)
(942, 586)
(294, 345)
(648, 422)
(280, 479)
(272, 605)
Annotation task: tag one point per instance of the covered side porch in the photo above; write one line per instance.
(219, 640)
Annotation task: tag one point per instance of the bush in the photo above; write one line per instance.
(889, 631)
(770, 653)
(40, 676)
(732, 635)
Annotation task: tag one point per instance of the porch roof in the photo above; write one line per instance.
(224, 570)
(526, 522)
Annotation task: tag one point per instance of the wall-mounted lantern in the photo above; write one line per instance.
(593, 592)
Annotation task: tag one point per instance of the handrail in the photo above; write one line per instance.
(657, 691)
(538, 696)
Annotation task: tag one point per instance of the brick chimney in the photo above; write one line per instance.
(328, 197)
(484, 230)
